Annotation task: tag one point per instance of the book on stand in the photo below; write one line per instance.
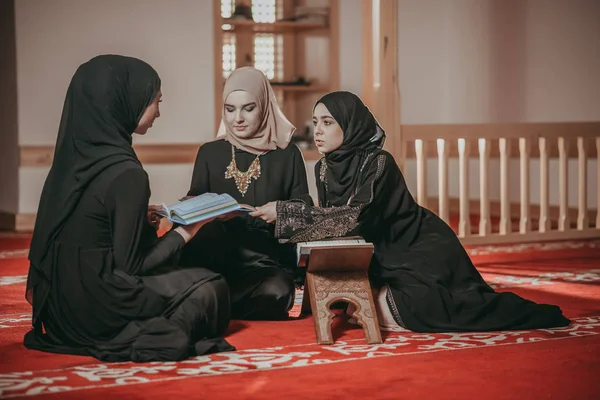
(202, 207)
(303, 248)
(343, 244)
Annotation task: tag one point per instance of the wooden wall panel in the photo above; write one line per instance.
(184, 153)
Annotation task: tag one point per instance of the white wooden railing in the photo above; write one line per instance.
(528, 140)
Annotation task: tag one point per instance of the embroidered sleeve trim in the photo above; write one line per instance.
(305, 223)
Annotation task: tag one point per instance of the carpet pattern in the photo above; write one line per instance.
(281, 359)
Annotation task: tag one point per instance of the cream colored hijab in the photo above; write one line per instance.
(274, 131)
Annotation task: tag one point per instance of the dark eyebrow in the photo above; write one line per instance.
(324, 117)
(245, 105)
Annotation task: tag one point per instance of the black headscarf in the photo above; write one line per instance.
(105, 101)
(362, 137)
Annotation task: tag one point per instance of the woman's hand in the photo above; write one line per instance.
(189, 231)
(153, 217)
(268, 212)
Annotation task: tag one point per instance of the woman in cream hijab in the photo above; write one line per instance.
(253, 161)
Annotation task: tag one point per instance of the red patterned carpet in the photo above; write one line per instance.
(280, 360)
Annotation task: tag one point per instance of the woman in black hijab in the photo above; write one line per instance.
(425, 279)
(99, 280)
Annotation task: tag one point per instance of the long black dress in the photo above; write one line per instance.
(114, 295)
(259, 270)
(433, 285)
(99, 280)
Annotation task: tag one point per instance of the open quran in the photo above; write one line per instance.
(303, 248)
(200, 208)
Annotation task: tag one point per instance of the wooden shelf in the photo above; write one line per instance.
(271, 27)
(300, 45)
(301, 88)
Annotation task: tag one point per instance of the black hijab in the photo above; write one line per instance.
(105, 100)
(363, 137)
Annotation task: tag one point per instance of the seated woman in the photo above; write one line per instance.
(427, 281)
(99, 280)
(252, 161)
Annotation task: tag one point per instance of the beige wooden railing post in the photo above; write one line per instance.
(421, 154)
(464, 224)
(505, 219)
(563, 188)
(598, 183)
(525, 221)
(485, 226)
(442, 148)
(544, 186)
(582, 213)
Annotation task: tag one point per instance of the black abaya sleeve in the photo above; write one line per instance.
(127, 206)
(301, 222)
(379, 200)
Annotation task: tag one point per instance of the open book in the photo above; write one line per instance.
(200, 208)
(303, 248)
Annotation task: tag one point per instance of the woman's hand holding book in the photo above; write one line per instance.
(153, 217)
(268, 212)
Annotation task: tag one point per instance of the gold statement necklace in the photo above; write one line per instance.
(242, 179)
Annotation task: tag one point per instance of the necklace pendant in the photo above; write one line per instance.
(242, 179)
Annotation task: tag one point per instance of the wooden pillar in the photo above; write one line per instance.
(380, 69)
(367, 89)
(217, 62)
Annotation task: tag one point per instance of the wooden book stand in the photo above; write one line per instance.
(340, 274)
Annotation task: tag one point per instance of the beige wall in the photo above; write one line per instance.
(463, 61)
(9, 148)
(484, 61)
(494, 61)
(54, 37)
(351, 45)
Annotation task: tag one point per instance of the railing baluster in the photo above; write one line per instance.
(442, 148)
(505, 219)
(421, 154)
(485, 226)
(464, 224)
(525, 222)
(563, 190)
(557, 217)
(544, 186)
(582, 212)
(598, 183)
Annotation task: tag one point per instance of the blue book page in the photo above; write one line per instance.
(202, 207)
(208, 215)
(202, 202)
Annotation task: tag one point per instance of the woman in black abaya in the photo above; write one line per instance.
(425, 279)
(253, 161)
(99, 279)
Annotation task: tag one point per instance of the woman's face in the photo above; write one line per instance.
(242, 115)
(328, 133)
(150, 114)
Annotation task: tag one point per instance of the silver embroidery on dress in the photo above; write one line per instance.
(322, 173)
(314, 223)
